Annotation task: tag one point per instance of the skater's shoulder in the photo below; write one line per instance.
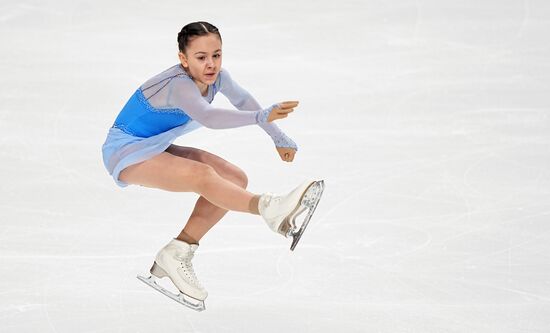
(224, 79)
(173, 72)
(223, 75)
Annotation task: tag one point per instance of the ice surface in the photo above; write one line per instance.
(428, 120)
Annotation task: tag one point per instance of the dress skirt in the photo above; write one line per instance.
(121, 149)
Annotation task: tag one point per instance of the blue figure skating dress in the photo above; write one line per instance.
(170, 105)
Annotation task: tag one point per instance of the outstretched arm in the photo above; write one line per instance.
(244, 101)
(186, 96)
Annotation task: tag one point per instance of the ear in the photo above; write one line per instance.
(183, 59)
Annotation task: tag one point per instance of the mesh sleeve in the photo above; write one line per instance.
(183, 93)
(244, 101)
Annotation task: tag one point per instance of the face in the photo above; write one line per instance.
(203, 58)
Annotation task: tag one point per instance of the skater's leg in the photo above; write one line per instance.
(205, 214)
(173, 173)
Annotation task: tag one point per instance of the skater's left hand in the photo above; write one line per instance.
(287, 154)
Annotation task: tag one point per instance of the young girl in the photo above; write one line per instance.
(139, 150)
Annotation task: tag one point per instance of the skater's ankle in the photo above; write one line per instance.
(184, 237)
(253, 205)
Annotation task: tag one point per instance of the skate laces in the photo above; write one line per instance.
(185, 263)
(271, 198)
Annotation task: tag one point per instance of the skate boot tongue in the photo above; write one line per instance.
(184, 252)
(181, 244)
(264, 202)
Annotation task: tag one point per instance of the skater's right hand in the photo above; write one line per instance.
(282, 110)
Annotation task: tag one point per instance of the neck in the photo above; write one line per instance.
(202, 87)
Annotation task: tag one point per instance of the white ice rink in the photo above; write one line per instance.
(429, 121)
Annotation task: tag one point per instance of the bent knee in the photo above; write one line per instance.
(235, 175)
(241, 178)
(201, 174)
(203, 171)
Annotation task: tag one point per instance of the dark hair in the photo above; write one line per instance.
(194, 29)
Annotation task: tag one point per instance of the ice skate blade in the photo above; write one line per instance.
(181, 298)
(289, 223)
(309, 201)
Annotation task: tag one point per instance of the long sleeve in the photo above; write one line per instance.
(185, 95)
(244, 101)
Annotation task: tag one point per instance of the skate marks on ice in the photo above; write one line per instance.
(309, 202)
(181, 298)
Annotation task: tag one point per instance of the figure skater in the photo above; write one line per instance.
(139, 151)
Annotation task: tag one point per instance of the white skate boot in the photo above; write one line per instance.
(280, 212)
(174, 261)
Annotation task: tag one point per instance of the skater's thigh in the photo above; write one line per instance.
(224, 168)
(168, 172)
